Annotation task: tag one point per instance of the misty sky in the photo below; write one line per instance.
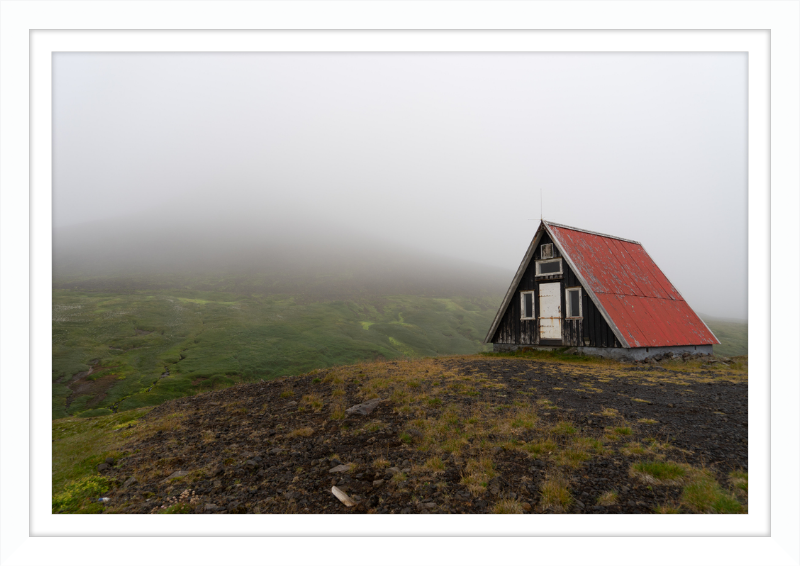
(445, 153)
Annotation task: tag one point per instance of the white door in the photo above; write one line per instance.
(550, 311)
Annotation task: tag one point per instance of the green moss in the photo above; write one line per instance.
(80, 496)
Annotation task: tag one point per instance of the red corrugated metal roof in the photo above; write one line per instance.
(640, 301)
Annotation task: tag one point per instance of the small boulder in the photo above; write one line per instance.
(129, 482)
(211, 507)
(102, 467)
(342, 496)
(110, 461)
(363, 408)
(178, 474)
(340, 469)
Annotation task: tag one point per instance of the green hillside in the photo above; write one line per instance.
(145, 347)
(731, 333)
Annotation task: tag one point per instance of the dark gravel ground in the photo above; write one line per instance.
(233, 451)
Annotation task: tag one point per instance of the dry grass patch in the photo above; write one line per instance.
(435, 465)
(659, 473)
(508, 506)
(610, 413)
(380, 463)
(563, 428)
(571, 457)
(304, 432)
(399, 477)
(286, 393)
(478, 474)
(540, 447)
(608, 498)
(648, 421)
(555, 494)
(636, 449)
(738, 479)
(589, 445)
(337, 411)
(312, 402)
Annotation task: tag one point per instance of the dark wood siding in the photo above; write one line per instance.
(513, 330)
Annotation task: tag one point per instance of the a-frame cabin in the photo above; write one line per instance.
(601, 294)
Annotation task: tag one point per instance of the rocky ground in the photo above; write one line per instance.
(450, 435)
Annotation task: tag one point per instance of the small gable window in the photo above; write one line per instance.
(547, 251)
(526, 299)
(574, 303)
(549, 267)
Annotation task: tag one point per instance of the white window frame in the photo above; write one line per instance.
(580, 302)
(522, 305)
(540, 262)
(541, 251)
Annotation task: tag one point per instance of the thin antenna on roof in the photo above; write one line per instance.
(541, 205)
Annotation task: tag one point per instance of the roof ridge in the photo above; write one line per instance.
(590, 232)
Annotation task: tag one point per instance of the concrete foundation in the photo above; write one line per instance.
(637, 354)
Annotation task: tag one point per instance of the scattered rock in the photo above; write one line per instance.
(342, 496)
(363, 409)
(178, 474)
(110, 461)
(274, 472)
(102, 467)
(129, 482)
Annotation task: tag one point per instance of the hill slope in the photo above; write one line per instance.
(461, 434)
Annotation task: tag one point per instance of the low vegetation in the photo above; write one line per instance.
(504, 435)
(116, 351)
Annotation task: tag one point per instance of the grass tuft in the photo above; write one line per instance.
(508, 506)
(563, 428)
(555, 494)
(304, 432)
(659, 473)
(608, 498)
(705, 495)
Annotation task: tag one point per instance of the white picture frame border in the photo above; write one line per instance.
(31, 31)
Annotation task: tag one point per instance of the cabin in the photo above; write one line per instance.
(601, 294)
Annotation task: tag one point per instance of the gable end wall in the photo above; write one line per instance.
(512, 330)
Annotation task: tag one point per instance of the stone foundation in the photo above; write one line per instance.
(630, 354)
